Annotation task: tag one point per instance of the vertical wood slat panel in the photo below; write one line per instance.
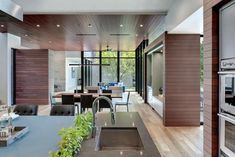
(182, 80)
(31, 77)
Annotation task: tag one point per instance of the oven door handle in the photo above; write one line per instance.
(226, 72)
(227, 117)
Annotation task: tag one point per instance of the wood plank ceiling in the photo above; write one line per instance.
(83, 32)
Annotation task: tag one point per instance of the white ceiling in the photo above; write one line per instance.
(192, 24)
(94, 6)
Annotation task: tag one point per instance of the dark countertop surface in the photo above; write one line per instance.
(122, 119)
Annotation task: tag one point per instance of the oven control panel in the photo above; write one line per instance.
(228, 64)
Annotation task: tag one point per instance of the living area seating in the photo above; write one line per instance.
(26, 110)
(62, 110)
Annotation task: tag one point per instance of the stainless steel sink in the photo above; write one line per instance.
(113, 138)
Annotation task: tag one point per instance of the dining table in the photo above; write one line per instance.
(95, 95)
(42, 136)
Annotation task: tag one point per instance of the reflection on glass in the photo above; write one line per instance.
(230, 90)
(230, 136)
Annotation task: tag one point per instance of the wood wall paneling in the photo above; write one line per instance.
(211, 79)
(182, 80)
(31, 83)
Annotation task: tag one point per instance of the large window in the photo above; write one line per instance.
(127, 69)
(91, 70)
(109, 67)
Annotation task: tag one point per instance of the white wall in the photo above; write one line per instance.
(7, 42)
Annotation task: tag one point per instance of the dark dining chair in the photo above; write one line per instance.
(106, 91)
(125, 103)
(78, 91)
(62, 110)
(67, 99)
(26, 110)
(104, 103)
(92, 91)
(86, 101)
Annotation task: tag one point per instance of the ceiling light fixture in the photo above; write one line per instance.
(58, 25)
(26, 35)
(136, 35)
(2, 26)
(89, 25)
(50, 42)
(37, 25)
(141, 25)
(121, 25)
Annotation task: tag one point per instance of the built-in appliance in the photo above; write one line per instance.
(227, 134)
(227, 81)
(227, 92)
(227, 31)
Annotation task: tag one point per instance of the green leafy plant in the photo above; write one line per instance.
(71, 138)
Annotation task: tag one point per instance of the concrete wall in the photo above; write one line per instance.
(7, 42)
(56, 71)
(157, 72)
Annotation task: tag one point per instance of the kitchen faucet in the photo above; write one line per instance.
(95, 109)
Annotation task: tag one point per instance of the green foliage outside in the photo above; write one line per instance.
(201, 65)
(127, 67)
(71, 138)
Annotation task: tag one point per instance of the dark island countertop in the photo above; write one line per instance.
(122, 119)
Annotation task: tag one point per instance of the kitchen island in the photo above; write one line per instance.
(124, 127)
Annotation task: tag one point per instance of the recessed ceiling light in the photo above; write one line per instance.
(141, 25)
(58, 25)
(26, 35)
(136, 35)
(2, 26)
(31, 41)
(89, 25)
(37, 25)
(121, 25)
(50, 42)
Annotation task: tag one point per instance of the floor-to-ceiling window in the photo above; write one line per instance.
(109, 67)
(91, 68)
(127, 69)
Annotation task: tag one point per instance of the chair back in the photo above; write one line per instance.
(86, 101)
(67, 99)
(78, 91)
(128, 97)
(106, 91)
(26, 110)
(104, 103)
(92, 91)
(62, 110)
(52, 100)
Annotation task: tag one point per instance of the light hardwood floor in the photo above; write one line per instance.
(170, 141)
